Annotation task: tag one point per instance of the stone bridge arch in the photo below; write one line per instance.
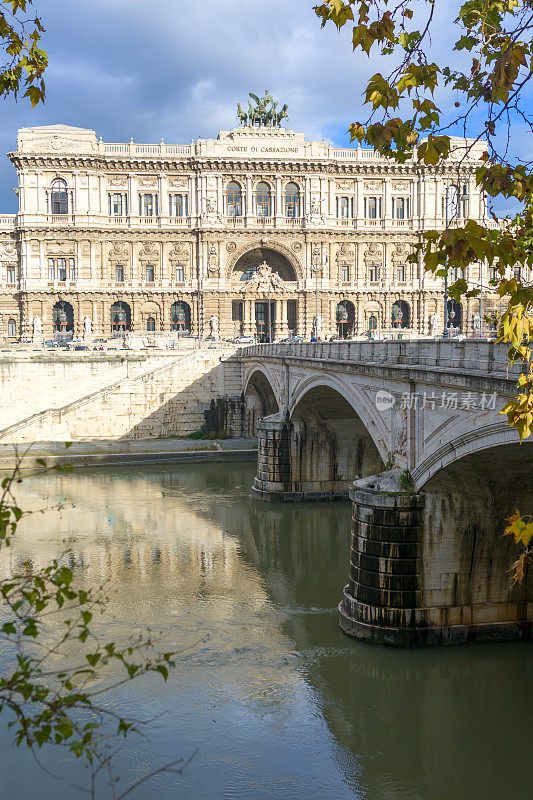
(261, 393)
(331, 441)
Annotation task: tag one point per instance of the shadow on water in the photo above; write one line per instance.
(302, 711)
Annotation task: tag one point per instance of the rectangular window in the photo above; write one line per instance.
(344, 207)
(71, 269)
(372, 207)
(117, 204)
(493, 273)
(119, 273)
(178, 205)
(401, 208)
(62, 269)
(51, 269)
(292, 316)
(373, 273)
(345, 273)
(10, 275)
(148, 205)
(517, 272)
(454, 273)
(150, 273)
(236, 310)
(180, 274)
(400, 273)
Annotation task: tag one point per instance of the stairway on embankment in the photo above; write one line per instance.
(165, 396)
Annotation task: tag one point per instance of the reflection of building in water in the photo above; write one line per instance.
(163, 238)
(165, 565)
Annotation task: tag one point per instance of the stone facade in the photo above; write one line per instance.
(177, 234)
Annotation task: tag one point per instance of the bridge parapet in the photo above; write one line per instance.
(476, 356)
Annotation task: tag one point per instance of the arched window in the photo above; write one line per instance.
(455, 315)
(292, 200)
(345, 318)
(59, 197)
(11, 327)
(234, 200)
(150, 324)
(180, 316)
(262, 197)
(63, 318)
(400, 314)
(120, 317)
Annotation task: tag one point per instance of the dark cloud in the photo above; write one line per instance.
(174, 69)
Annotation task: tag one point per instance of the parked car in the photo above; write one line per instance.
(80, 347)
(244, 340)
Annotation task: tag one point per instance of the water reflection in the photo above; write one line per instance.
(281, 704)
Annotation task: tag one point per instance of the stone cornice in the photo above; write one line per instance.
(198, 164)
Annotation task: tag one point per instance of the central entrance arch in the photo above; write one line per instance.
(263, 276)
(248, 263)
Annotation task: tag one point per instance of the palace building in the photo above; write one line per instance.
(255, 232)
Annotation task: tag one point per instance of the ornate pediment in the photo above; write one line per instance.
(401, 186)
(179, 254)
(265, 280)
(117, 180)
(149, 253)
(60, 248)
(119, 253)
(179, 183)
(374, 251)
(401, 252)
(8, 251)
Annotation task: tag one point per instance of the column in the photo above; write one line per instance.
(247, 316)
(387, 211)
(279, 204)
(284, 326)
(248, 197)
(359, 198)
(277, 319)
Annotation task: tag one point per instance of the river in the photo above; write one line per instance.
(277, 701)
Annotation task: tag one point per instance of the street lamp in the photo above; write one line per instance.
(315, 267)
(462, 197)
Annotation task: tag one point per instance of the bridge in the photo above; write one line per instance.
(411, 432)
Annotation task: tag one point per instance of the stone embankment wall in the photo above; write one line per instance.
(30, 384)
(164, 397)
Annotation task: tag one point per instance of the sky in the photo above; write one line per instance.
(175, 69)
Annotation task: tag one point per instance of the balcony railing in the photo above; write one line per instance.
(145, 149)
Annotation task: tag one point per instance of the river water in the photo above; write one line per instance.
(280, 704)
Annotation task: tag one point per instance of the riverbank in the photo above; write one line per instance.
(115, 453)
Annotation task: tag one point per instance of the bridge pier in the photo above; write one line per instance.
(418, 576)
(273, 479)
